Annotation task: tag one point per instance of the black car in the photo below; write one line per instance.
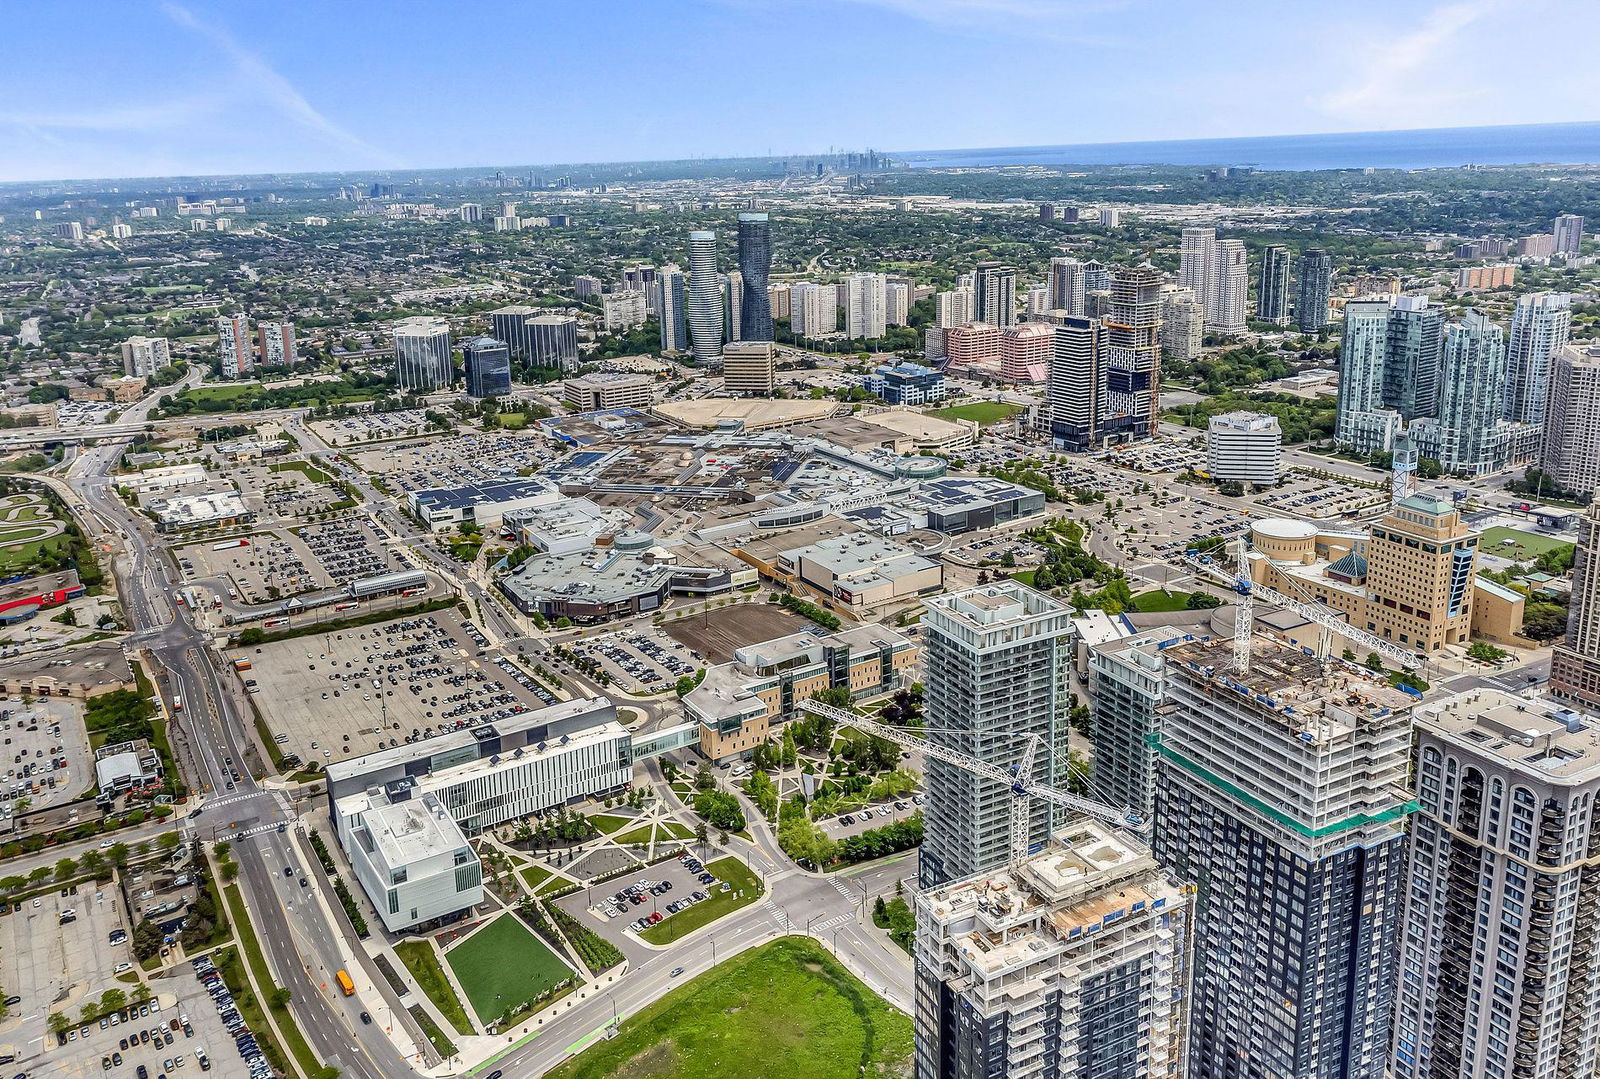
(366, 1018)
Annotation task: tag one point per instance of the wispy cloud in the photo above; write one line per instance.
(260, 78)
(158, 116)
(1054, 20)
(1398, 83)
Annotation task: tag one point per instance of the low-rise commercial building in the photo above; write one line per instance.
(906, 384)
(482, 504)
(603, 390)
(737, 704)
(625, 575)
(861, 572)
(217, 509)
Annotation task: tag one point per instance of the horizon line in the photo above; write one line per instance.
(1188, 141)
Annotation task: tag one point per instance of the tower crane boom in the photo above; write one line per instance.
(1019, 778)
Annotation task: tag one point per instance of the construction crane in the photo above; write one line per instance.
(1019, 777)
(1327, 620)
(1404, 475)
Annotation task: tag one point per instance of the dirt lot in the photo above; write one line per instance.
(716, 634)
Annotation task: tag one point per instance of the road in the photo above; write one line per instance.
(213, 741)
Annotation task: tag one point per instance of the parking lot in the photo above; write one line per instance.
(339, 695)
(348, 549)
(257, 568)
(47, 758)
(1304, 495)
(454, 461)
(593, 906)
(237, 1042)
(56, 961)
(178, 997)
(874, 816)
(376, 427)
(286, 489)
(641, 661)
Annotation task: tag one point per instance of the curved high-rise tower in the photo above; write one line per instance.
(704, 298)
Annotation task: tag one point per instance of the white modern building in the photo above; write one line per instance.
(813, 309)
(1245, 447)
(410, 856)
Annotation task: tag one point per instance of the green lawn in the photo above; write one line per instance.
(669, 829)
(637, 835)
(1158, 600)
(609, 822)
(786, 1009)
(746, 890)
(1524, 546)
(984, 413)
(1025, 576)
(535, 875)
(310, 471)
(513, 421)
(423, 963)
(223, 394)
(503, 967)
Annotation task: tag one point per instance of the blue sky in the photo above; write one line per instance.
(93, 88)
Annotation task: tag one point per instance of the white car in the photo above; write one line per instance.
(122, 968)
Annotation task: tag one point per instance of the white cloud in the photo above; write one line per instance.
(263, 82)
(1405, 80)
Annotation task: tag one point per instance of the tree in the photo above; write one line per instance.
(58, 1023)
(92, 861)
(146, 939)
(1484, 652)
(118, 852)
(65, 868)
(1201, 601)
(701, 834)
(1374, 661)
(113, 1000)
(280, 997)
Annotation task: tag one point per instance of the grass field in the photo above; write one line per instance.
(310, 471)
(535, 875)
(224, 394)
(1025, 576)
(1158, 600)
(609, 822)
(503, 966)
(423, 963)
(984, 413)
(786, 1009)
(1524, 545)
(746, 890)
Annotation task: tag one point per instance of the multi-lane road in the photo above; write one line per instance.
(303, 943)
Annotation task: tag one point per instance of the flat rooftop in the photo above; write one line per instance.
(412, 831)
(1537, 735)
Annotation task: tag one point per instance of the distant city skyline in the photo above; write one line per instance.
(296, 92)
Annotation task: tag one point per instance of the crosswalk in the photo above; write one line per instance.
(779, 917)
(842, 888)
(832, 923)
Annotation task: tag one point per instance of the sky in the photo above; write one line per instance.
(114, 88)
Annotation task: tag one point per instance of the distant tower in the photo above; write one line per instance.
(995, 294)
(1272, 298)
(704, 299)
(1568, 229)
(1316, 288)
(1540, 326)
(669, 300)
(755, 263)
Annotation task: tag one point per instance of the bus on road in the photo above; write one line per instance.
(346, 984)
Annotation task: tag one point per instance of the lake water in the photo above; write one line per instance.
(1565, 144)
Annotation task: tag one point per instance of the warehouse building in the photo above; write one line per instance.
(482, 504)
